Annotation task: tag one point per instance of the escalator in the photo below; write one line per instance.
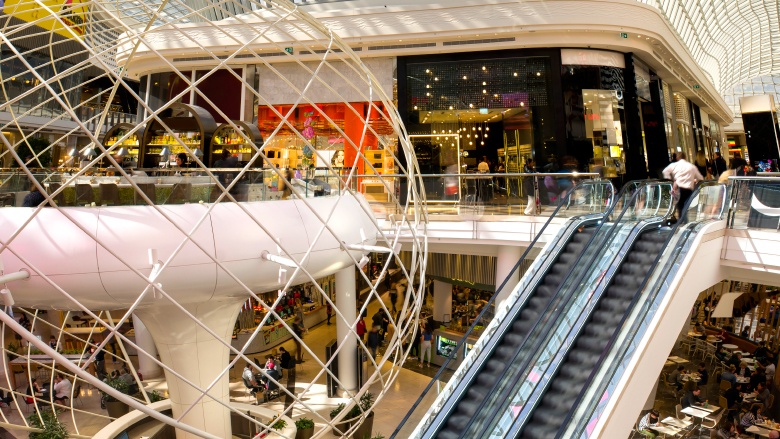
(573, 374)
(507, 347)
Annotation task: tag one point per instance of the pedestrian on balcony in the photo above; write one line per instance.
(529, 191)
(685, 176)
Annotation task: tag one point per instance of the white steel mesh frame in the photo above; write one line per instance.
(288, 19)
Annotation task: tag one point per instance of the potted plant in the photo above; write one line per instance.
(305, 428)
(116, 408)
(154, 396)
(47, 421)
(339, 429)
(277, 423)
(365, 405)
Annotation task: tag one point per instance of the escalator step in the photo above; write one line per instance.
(504, 352)
(564, 388)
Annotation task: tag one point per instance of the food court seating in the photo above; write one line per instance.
(84, 194)
(109, 194)
(8, 199)
(59, 198)
(149, 189)
(180, 192)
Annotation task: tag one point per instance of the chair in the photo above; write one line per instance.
(701, 346)
(725, 385)
(77, 395)
(59, 198)
(247, 386)
(84, 194)
(712, 422)
(180, 191)
(271, 391)
(771, 402)
(149, 189)
(8, 199)
(678, 412)
(109, 192)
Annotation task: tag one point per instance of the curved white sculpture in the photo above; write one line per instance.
(184, 271)
(77, 256)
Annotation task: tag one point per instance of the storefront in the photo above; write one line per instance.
(567, 109)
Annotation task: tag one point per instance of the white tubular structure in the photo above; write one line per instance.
(245, 225)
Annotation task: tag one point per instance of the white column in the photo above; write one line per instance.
(144, 340)
(197, 356)
(346, 302)
(505, 261)
(442, 300)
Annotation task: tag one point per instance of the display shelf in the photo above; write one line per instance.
(191, 124)
(132, 143)
(226, 138)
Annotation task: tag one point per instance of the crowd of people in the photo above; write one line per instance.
(746, 386)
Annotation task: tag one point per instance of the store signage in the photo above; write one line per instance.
(623, 35)
(72, 13)
(695, 86)
(483, 111)
(288, 50)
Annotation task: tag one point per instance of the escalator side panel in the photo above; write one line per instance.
(537, 301)
(594, 336)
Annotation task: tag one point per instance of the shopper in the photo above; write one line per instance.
(328, 311)
(704, 376)
(691, 398)
(647, 422)
(373, 340)
(770, 369)
(61, 389)
(394, 290)
(528, 187)
(298, 330)
(34, 198)
(360, 328)
(726, 431)
(762, 393)
(719, 165)
(685, 176)
(675, 378)
(427, 337)
(751, 418)
(729, 375)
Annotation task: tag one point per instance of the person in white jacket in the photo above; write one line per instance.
(685, 176)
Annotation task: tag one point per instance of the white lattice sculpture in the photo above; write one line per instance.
(185, 270)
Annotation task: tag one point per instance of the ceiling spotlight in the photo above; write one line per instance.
(484, 83)
(427, 71)
(415, 107)
(464, 77)
(483, 67)
(515, 74)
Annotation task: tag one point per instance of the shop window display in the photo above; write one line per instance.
(595, 118)
(462, 111)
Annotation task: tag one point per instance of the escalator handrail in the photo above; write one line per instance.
(543, 314)
(631, 306)
(563, 204)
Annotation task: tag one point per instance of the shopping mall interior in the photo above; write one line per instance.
(367, 219)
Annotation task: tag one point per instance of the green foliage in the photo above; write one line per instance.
(364, 406)
(335, 412)
(154, 396)
(12, 347)
(33, 146)
(70, 352)
(277, 423)
(304, 424)
(378, 436)
(52, 427)
(36, 352)
(119, 385)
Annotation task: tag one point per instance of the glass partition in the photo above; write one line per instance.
(593, 200)
(707, 203)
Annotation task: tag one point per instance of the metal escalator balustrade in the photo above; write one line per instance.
(707, 203)
(499, 393)
(505, 351)
(582, 358)
(521, 386)
(587, 200)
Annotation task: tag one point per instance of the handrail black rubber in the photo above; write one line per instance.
(435, 378)
(543, 315)
(631, 306)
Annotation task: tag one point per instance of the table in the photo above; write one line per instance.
(769, 427)
(676, 422)
(730, 347)
(743, 380)
(696, 412)
(758, 431)
(667, 430)
(677, 360)
(748, 360)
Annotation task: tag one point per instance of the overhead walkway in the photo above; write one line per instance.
(550, 373)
